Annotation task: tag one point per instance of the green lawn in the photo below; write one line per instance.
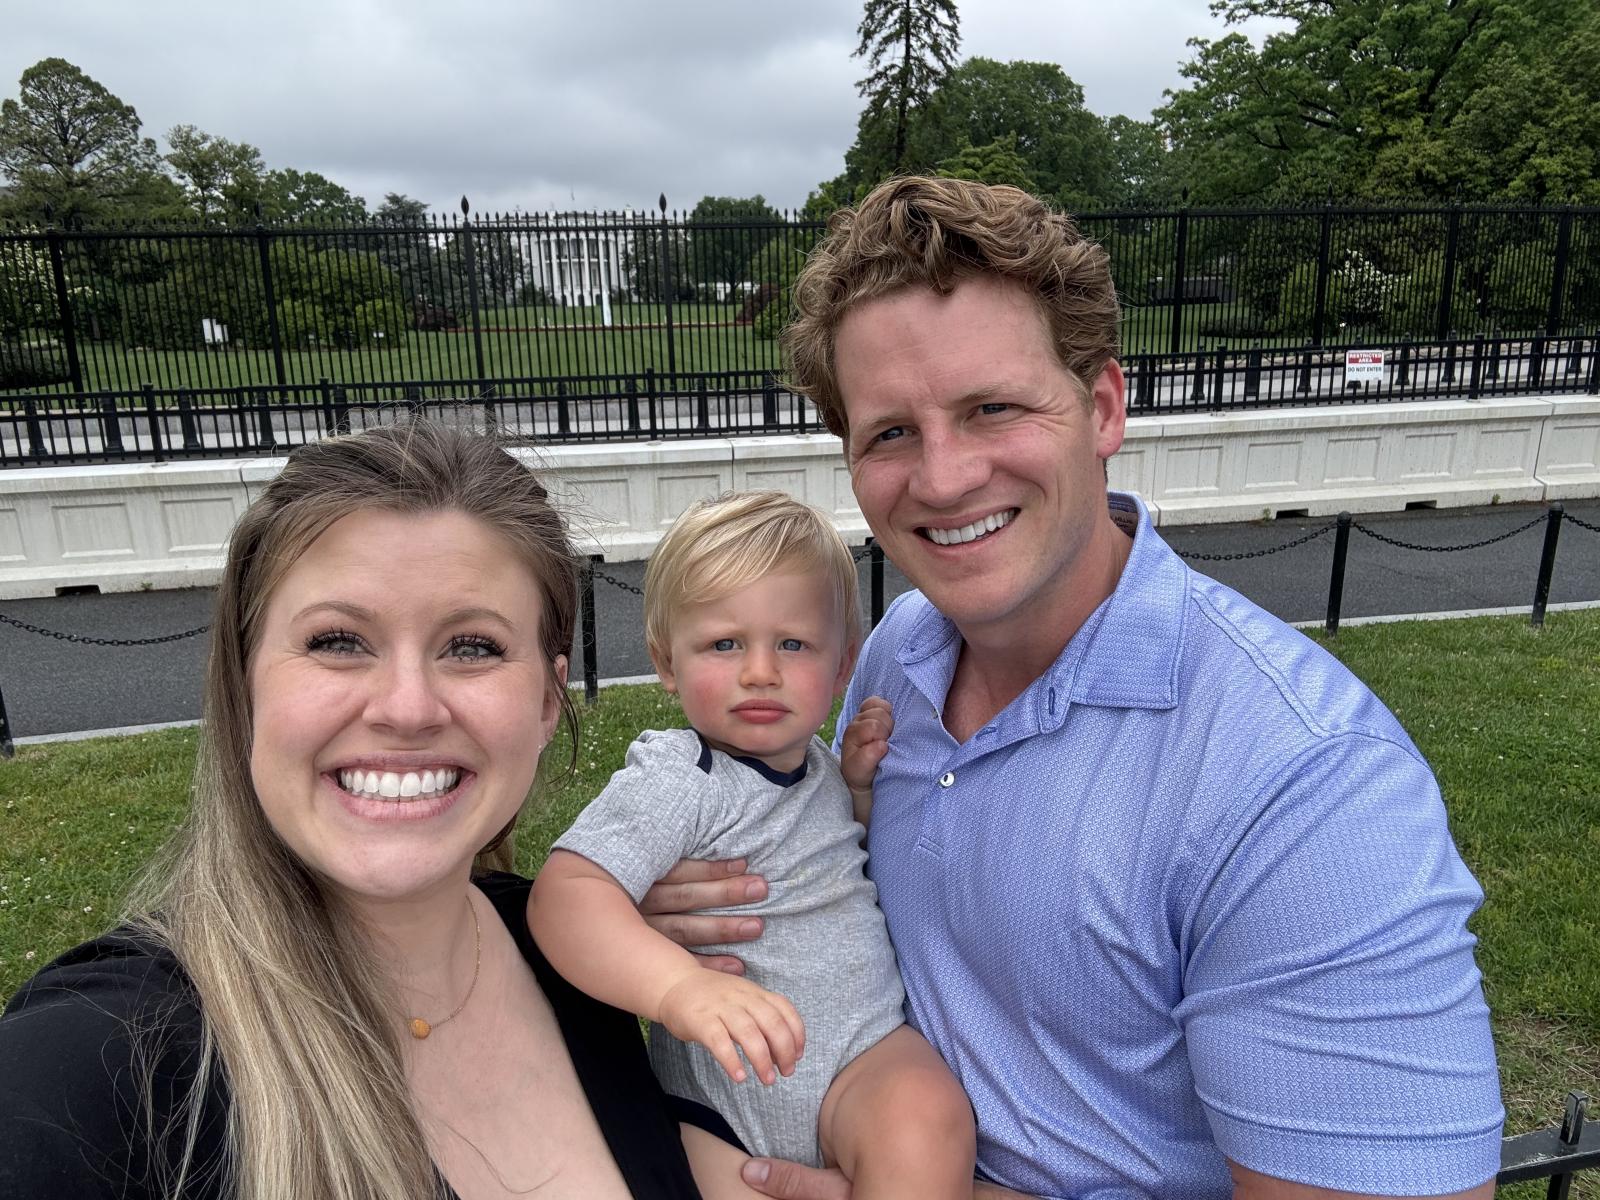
(535, 341)
(1508, 715)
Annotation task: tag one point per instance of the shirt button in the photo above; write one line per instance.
(947, 779)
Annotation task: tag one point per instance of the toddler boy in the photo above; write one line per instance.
(752, 620)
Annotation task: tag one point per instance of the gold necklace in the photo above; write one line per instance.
(420, 1028)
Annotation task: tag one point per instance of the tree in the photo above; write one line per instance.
(1481, 99)
(911, 46)
(1065, 146)
(993, 162)
(68, 144)
(1141, 171)
(304, 198)
(720, 249)
(224, 180)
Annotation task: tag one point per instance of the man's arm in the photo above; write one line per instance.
(1248, 1185)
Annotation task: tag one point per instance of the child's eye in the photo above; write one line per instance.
(335, 642)
(791, 644)
(722, 644)
(472, 647)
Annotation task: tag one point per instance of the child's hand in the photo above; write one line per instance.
(866, 741)
(718, 1010)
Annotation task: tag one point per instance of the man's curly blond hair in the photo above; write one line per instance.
(918, 231)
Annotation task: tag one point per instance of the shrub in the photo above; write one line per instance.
(31, 366)
(1238, 324)
(379, 321)
(302, 323)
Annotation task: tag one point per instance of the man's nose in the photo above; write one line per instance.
(951, 465)
(405, 697)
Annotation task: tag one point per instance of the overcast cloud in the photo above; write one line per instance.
(556, 103)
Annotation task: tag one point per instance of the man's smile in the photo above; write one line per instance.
(971, 531)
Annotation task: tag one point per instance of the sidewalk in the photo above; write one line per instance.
(53, 686)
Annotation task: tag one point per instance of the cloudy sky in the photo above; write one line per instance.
(556, 103)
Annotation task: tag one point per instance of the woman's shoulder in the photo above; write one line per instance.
(92, 1044)
(125, 976)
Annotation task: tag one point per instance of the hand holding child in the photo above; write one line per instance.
(727, 1013)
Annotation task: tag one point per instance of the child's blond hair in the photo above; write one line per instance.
(719, 546)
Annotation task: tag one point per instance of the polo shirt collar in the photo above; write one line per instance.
(1126, 654)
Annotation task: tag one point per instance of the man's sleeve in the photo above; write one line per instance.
(1332, 1009)
(657, 809)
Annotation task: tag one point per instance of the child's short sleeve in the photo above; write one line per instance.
(656, 810)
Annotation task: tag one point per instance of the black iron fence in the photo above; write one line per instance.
(121, 343)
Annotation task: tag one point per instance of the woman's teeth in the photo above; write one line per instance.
(399, 785)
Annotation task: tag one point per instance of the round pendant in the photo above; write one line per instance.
(420, 1028)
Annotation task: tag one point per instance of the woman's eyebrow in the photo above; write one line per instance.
(339, 606)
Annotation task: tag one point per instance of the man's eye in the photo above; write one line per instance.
(890, 434)
(474, 648)
(723, 644)
(791, 644)
(993, 407)
(335, 642)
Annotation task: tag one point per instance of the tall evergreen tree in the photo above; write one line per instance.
(911, 45)
(68, 144)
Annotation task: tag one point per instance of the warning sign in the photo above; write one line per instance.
(1363, 366)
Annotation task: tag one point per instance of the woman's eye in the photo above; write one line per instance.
(473, 648)
(335, 641)
(791, 644)
(722, 644)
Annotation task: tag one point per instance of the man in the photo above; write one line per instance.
(1171, 891)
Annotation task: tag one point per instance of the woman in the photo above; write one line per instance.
(314, 995)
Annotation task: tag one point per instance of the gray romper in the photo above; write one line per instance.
(825, 945)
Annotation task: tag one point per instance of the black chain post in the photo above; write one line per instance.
(269, 440)
(1547, 562)
(702, 406)
(1341, 547)
(875, 555)
(7, 749)
(563, 410)
(1252, 375)
(1475, 380)
(591, 648)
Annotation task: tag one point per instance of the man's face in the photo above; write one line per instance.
(974, 456)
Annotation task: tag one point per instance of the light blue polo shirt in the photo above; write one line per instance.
(1192, 894)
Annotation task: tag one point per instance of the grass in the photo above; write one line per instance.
(540, 341)
(1509, 717)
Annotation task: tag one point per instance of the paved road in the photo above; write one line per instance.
(53, 686)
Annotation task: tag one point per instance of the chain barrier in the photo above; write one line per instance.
(1243, 554)
(1582, 522)
(83, 640)
(617, 583)
(1500, 537)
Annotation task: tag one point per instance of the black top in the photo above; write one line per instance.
(82, 1039)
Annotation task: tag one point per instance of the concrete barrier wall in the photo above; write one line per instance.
(143, 525)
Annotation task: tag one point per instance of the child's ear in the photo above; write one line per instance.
(663, 666)
(847, 664)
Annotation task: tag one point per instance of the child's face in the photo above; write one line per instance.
(758, 669)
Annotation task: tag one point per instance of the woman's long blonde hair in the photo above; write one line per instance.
(297, 1015)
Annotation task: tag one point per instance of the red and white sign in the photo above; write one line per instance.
(1363, 366)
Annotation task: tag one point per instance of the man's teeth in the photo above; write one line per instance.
(969, 533)
(397, 785)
